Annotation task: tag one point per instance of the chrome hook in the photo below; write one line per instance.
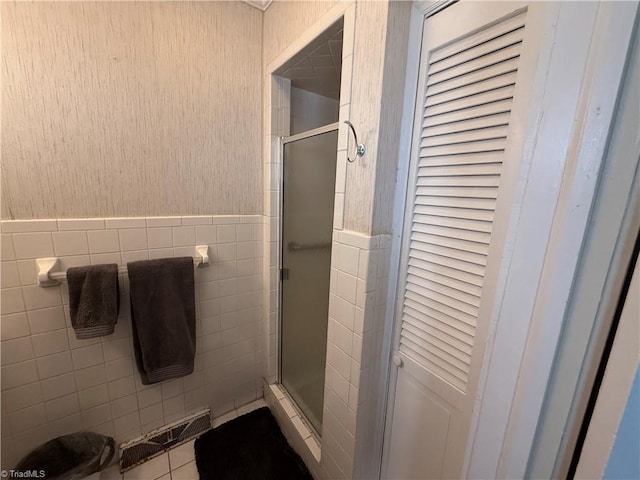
(359, 146)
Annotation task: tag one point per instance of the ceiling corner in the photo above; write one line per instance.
(259, 4)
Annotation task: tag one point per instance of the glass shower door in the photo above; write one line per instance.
(307, 226)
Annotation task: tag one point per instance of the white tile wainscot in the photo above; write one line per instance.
(53, 384)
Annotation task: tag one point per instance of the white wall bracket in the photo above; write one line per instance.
(45, 266)
(202, 251)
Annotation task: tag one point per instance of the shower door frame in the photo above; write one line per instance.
(331, 127)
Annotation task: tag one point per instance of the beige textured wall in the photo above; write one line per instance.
(127, 109)
(395, 65)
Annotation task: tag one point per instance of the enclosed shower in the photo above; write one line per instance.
(308, 162)
(309, 169)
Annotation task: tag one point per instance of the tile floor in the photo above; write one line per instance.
(179, 463)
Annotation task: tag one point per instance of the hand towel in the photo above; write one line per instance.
(163, 317)
(94, 299)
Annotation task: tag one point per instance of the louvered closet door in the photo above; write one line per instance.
(470, 70)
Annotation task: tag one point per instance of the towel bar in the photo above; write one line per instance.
(48, 278)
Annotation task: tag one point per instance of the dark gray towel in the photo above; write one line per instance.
(163, 315)
(94, 299)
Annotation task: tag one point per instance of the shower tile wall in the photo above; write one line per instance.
(357, 304)
(54, 384)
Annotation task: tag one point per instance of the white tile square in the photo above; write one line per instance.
(94, 396)
(195, 400)
(95, 416)
(226, 252)
(339, 360)
(164, 221)
(119, 348)
(127, 427)
(46, 320)
(91, 377)
(14, 326)
(20, 226)
(87, 356)
(348, 259)
(197, 220)
(182, 455)
(132, 256)
(120, 368)
(226, 233)
(161, 253)
(103, 241)
(27, 272)
(126, 222)
(121, 388)
(172, 388)
(50, 343)
(73, 261)
(244, 232)
(150, 414)
(70, 243)
(184, 251)
(338, 211)
(58, 386)
(27, 418)
(11, 301)
(54, 365)
(81, 224)
(36, 297)
(151, 470)
(21, 397)
(173, 406)
(19, 374)
(124, 406)
(287, 407)
(6, 248)
(225, 220)
(67, 424)
(16, 350)
(150, 396)
(160, 237)
(184, 236)
(9, 276)
(301, 428)
(206, 234)
(100, 258)
(133, 239)
(33, 245)
(346, 287)
(341, 336)
(62, 407)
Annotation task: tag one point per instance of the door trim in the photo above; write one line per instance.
(511, 402)
(389, 377)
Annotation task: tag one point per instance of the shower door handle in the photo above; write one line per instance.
(284, 274)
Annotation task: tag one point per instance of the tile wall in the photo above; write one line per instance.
(54, 384)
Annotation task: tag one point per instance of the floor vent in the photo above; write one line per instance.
(138, 451)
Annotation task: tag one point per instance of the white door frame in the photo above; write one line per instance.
(583, 81)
